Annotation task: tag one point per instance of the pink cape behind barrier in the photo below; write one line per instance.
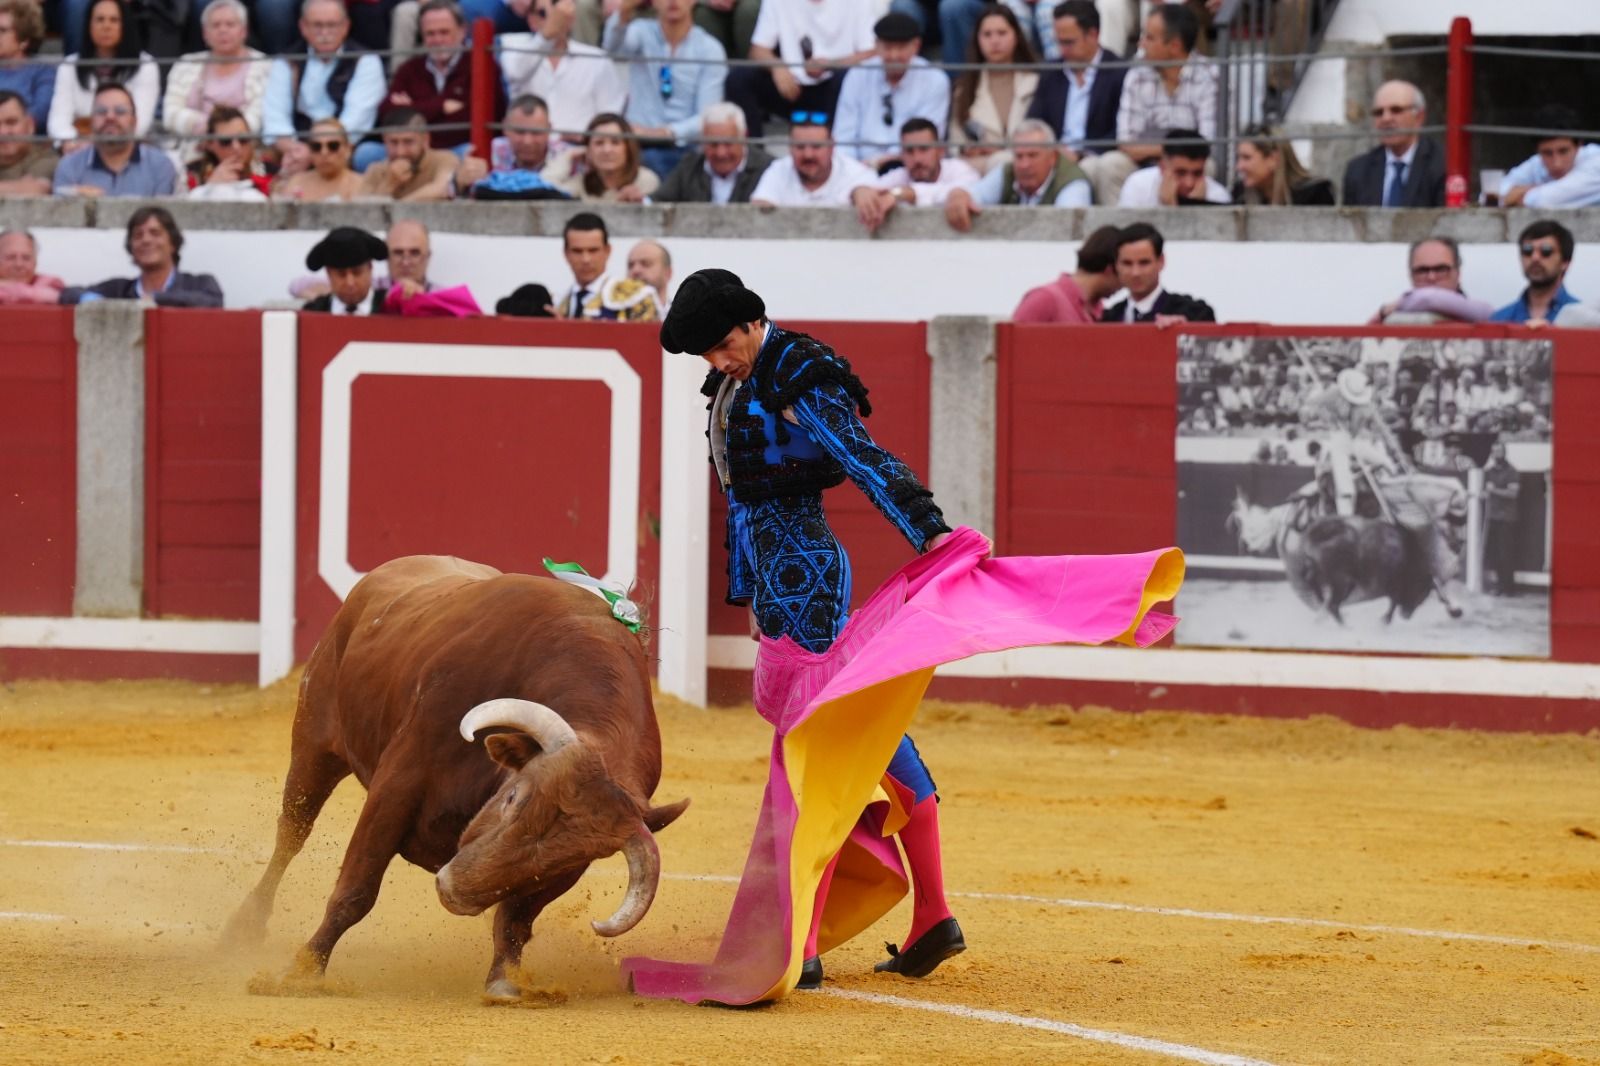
(838, 717)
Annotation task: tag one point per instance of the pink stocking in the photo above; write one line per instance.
(822, 900)
(920, 839)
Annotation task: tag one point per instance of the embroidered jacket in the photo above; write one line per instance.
(792, 431)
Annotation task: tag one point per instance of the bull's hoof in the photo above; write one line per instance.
(501, 992)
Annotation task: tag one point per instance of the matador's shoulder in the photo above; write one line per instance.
(799, 363)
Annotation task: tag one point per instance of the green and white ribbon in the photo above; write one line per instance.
(623, 609)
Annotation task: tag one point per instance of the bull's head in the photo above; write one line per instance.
(557, 811)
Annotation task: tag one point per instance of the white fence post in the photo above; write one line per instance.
(280, 359)
(1475, 530)
(685, 520)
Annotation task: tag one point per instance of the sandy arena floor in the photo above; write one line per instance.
(1149, 849)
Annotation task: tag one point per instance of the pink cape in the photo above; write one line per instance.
(838, 717)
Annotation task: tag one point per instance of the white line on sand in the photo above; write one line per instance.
(31, 916)
(95, 845)
(1224, 916)
(1099, 1036)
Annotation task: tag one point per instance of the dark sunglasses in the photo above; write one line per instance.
(230, 141)
(1546, 251)
(318, 147)
(666, 83)
(888, 109)
(808, 118)
(1428, 270)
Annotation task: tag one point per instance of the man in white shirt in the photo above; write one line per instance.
(877, 97)
(1179, 180)
(1561, 173)
(578, 81)
(815, 174)
(925, 177)
(816, 38)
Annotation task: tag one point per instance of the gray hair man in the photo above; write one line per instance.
(725, 169)
(1405, 169)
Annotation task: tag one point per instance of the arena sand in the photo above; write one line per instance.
(1458, 832)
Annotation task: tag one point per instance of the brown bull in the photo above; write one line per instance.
(429, 650)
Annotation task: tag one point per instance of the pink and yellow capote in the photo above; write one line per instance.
(838, 716)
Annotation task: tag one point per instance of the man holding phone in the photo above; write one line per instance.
(817, 40)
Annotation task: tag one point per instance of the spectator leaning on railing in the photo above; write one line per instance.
(1179, 180)
(438, 83)
(725, 169)
(21, 31)
(879, 95)
(228, 170)
(26, 167)
(986, 105)
(1405, 169)
(155, 244)
(1081, 100)
(515, 169)
(817, 40)
(1435, 294)
(577, 81)
(1560, 173)
(676, 70)
(115, 163)
(1546, 248)
(1270, 173)
(924, 178)
(20, 280)
(1038, 174)
(815, 174)
(331, 83)
(112, 57)
(226, 74)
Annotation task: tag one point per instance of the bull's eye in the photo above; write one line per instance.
(511, 797)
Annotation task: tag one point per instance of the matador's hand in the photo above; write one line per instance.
(939, 538)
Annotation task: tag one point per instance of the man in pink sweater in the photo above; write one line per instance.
(20, 280)
(1075, 298)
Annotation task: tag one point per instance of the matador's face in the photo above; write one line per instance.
(735, 354)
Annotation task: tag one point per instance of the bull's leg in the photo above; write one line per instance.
(311, 781)
(385, 820)
(513, 925)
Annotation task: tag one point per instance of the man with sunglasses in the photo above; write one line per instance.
(878, 96)
(816, 39)
(116, 164)
(1546, 249)
(676, 71)
(1405, 170)
(1435, 294)
(330, 82)
(227, 171)
(816, 174)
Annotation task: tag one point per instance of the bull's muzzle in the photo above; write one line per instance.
(443, 881)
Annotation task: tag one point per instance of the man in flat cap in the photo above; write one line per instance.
(346, 253)
(894, 85)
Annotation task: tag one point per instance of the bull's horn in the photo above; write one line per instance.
(535, 719)
(644, 873)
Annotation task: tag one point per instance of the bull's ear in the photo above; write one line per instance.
(658, 818)
(511, 750)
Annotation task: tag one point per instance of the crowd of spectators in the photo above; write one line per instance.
(629, 99)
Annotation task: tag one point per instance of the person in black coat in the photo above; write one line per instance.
(347, 253)
(1271, 174)
(154, 242)
(1077, 28)
(1404, 170)
(722, 153)
(1139, 265)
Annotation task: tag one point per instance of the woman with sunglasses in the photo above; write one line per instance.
(987, 104)
(226, 74)
(606, 169)
(112, 54)
(1270, 173)
(330, 179)
(227, 170)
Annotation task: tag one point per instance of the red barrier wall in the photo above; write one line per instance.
(38, 461)
(503, 472)
(202, 463)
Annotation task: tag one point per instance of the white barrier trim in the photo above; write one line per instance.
(681, 612)
(280, 421)
(1254, 669)
(130, 634)
(477, 361)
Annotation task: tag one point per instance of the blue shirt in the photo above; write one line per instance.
(1517, 310)
(1579, 188)
(148, 173)
(36, 84)
(361, 97)
(868, 117)
(694, 85)
(1075, 122)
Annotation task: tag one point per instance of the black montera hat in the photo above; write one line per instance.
(708, 304)
(345, 247)
(529, 301)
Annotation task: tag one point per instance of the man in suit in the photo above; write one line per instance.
(1404, 170)
(347, 253)
(1139, 265)
(154, 243)
(724, 171)
(1080, 100)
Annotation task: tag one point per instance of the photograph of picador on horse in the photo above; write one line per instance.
(1364, 493)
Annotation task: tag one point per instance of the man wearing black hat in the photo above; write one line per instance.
(815, 38)
(347, 254)
(879, 95)
(784, 427)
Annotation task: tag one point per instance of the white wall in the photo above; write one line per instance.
(1372, 21)
(1280, 282)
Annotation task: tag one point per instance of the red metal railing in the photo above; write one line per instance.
(1458, 112)
(481, 112)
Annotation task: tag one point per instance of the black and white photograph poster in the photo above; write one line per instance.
(1365, 494)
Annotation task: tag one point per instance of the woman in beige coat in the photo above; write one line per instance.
(988, 104)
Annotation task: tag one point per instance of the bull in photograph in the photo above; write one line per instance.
(426, 653)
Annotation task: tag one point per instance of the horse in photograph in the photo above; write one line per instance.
(1331, 560)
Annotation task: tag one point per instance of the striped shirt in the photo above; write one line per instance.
(1147, 110)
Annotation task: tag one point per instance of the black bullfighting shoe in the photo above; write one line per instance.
(941, 942)
(811, 973)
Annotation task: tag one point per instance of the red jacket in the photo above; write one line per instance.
(415, 80)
